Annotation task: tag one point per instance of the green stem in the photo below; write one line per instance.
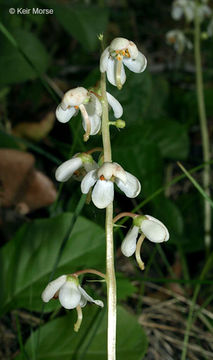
(204, 131)
(110, 270)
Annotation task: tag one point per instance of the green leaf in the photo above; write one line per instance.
(28, 259)
(124, 287)
(83, 23)
(15, 68)
(57, 339)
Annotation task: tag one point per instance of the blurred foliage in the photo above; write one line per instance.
(90, 342)
(41, 57)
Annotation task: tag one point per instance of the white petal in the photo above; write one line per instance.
(177, 12)
(161, 235)
(89, 298)
(52, 288)
(67, 169)
(88, 181)
(128, 246)
(111, 70)
(115, 105)
(65, 115)
(93, 110)
(138, 65)
(133, 50)
(74, 97)
(189, 12)
(119, 173)
(69, 295)
(94, 105)
(95, 123)
(132, 187)
(119, 44)
(104, 60)
(103, 193)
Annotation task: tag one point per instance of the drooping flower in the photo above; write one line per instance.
(90, 107)
(104, 178)
(69, 292)
(183, 8)
(189, 9)
(178, 40)
(151, 228)
(119, 53)
(78, 166)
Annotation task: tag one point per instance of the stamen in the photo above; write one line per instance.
(87, 122)
(127, 53)
(137, 252)
(102, 177)
(119, 57)
(76, 107)
(77, 325)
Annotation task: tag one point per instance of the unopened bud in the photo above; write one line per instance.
(204, 36)
(120, 124)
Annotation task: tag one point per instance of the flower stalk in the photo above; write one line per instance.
(204, 131)
(110, 270)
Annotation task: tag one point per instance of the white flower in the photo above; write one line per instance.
(78, 165)
(90, 107)
(121, 52)
(203, 11)
(179, 40)
(69, 292)
(153, 229)
(189, 9)
(183, 8)
(104, 178)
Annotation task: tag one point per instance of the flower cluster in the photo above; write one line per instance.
(189, 10)
(98, 178)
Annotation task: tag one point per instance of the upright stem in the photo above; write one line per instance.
(204, 132)
(110, 270)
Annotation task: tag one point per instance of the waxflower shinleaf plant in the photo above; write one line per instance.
(98, 180)
(190, 10)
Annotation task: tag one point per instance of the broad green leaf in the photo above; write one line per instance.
(28, 259)
(57, 339)
(143, 97)
(15, 68)
(125, 288)
(83, 23)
